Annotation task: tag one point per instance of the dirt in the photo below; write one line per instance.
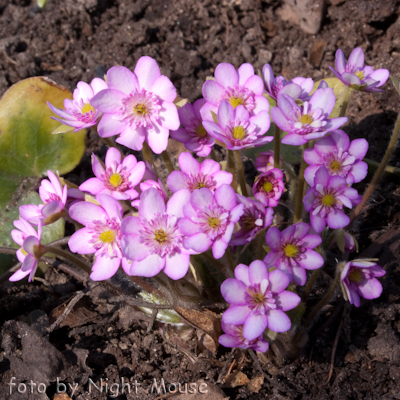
(75, 40)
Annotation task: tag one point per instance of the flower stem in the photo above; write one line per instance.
(310, 284)
(300, 188)
(109, 142)
(240, 171)
(345, 103)
(231, 168)
(68, 256)
(325, 299)
(167, 161)
(277, 146)
(374, 165)
(146, 151)
(378, 173)
(7, 250)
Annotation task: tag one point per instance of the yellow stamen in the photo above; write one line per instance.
(306, 120)
(160, 236)
(201, 131)
(335, 165)
(214, 222)
(356, 276)
(360, 75)
(200, 185)
(115, 179)
(140, 109)
(291, 250)
(23, 251)
(267, 186)
(238, 132)
(235, 101)
(258, 298)
(328, 200)
(107, 236)
(87, 108)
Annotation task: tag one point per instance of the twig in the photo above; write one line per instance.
(227, 364)
(258, 365)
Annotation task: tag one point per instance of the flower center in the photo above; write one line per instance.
(267, 186)
(214, 222)
(160, 236)
(335, 165)
(238, 132)
(291, 250)
(360, 75)
(258, 298)
(248, 223)
(107, 236)
(328, 200)
(236, 101)
(140, 109)
(23, 251)
(356, 275)
(87, 108)
(201, 131)
(200, 185)
(306, 120)
(115, 179)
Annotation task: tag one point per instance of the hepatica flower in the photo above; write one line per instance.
(258, 300)
(194, 175)
(153, 240)
(209, 219)
(255, 218)
(118, 179)
(326, 199)
(356, 75)
(292, 251)
(265, 161)
(80, 112)
(193, 134)
(297, 88)
(138, 105)
(30, 252)
(101, 235)
(358, 279)
(240, 87)
(54, 199)
(268, 187)
(233, 337)
(339, 156)
(236, 129)
(309, 121)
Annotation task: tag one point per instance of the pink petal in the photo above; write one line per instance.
(268, 76)
(133, 249)
(287, 300)
(222, 177)
(202, 198)
(51, 208)
(263, 122)
(358, 148)
(209, 167)
(257, 272)
(312, 260)
(79, 242)
(218, 248)
(147, 71)
(324, 99)
(245, 71)
(17, 276)
(176, 265)
(225, 197)
(164, 89)
(98, 85)
(158, 139)
(122, 79)
(104, 268)
(187, 115)
(226, 75)
(225, 113)
(108, 101)
(113, 157)
(169, 116)
(229, 341)
(29, 243)
(112, 207)
(92, 186)
(242, 274)
(381, 76)
(132, 138)
(177, 180)
(108, 126)
(280, 120)
(337, 219)
(233, 291)
(318, 223)
(370, 289)
(309, 174)
(212, 92)
(187, 227)
(356, 58)
(198, 242)
(255, 84)
(207, 110)
(177, 201)
(311, 241)
(260, 104)
(236, 315)
(278, 281)
(85, 213)
(148, 267)
(278, 321)
(254, 326)
(188, 164)
(151, 202)
(350, 79)
(273, 238)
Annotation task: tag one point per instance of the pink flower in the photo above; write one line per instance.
(254, 219)
(309, 121)
(292, 251)
(194, 175)
(258, 300)
(358, 279)
(153, 240)
(233, 337)
(268, 187)
(210, 219)
(193, 134)
(326, 200)
(80, 112)
(54, 199)
(355, 75)
(236, 129)
(297, 88)
(339, 156)
(238, 88)
(118, 179)
(30, 251)
(265, 161)
(101, 235)
(138, 105)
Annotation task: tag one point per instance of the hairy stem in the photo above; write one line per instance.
(167, 161)
(300, 187)
(374, 165)
(310, 284)
(109, 142)
(378, 173)
(240, 171)
(231, 168)
(277, 146)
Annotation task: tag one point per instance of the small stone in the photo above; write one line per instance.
(264, 56)
(256, 383)
(317, 52)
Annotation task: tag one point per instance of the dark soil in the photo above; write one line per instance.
(75, 40)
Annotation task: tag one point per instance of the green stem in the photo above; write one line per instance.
(167, 161)
(68, 256)
(374, 165)
(109, 142)
(325, 299)
(300, 187)
(277, 146)
(231, 168)
(378, 173)
(240, 171)
(310, 284)
(345, 103)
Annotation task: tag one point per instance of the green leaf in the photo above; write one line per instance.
(41, 3)
(27, 147)
(395, 82)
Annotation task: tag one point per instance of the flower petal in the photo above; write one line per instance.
(236, 315)
(234, 291)
(278, 281)
(242, 274)
(287, 300)
(85, 213)
(278, 321)
(176, 265)
(257, 272)
(164, 89)
(148, 267)
(104, 268)
(151, 202)
(225, 197)
(254, 326)
(176, 203)
(147, 71)
(226, 75)
(212, 92)
(122, 79)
